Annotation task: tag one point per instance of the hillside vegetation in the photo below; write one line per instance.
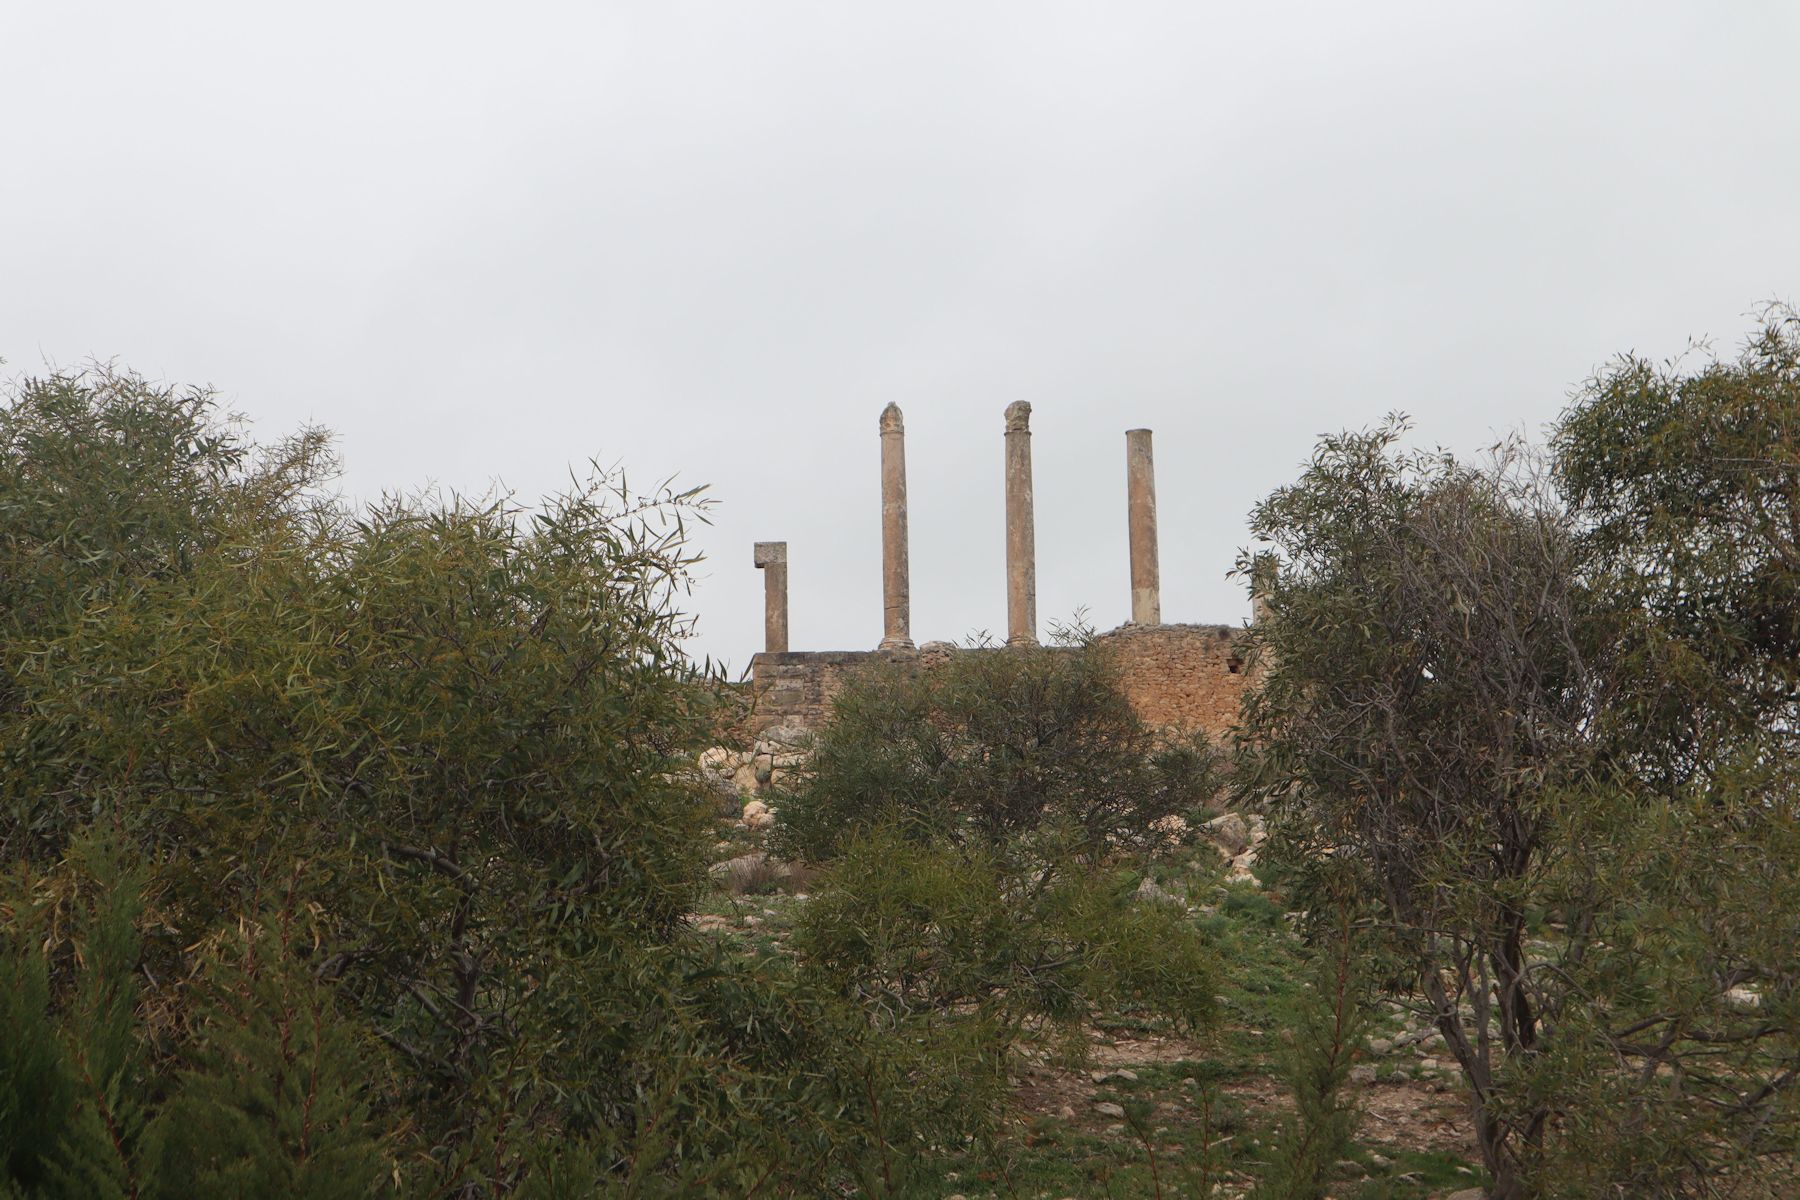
(368, 851)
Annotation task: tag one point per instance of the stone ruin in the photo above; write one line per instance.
(1182, 678)
(1186, 678)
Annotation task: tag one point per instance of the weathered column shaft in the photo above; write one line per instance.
(771, 559)
(1140, 513)
(1021, 533)
(896, 588)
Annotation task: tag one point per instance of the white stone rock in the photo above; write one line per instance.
(1107, 1108)
(1149, 893)
(758, 815)
(1743, 999)
(755, 871)
(786, 737)
(1171, 828)
(1229, 832)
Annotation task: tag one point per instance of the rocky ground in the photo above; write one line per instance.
(1138, 1113)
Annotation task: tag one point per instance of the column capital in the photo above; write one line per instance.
(891, 420)
(1018, 417)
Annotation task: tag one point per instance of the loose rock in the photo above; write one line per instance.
(1230, 833)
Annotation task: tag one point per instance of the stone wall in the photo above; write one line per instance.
(795, 689)
(1185, 678)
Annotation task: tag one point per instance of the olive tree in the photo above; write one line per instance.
(1478, 707)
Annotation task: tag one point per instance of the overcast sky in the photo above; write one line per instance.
(482, 242)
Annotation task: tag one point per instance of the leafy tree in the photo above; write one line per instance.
(1430, 677)
(1467, 713)
(402, 787)
(1686, 483)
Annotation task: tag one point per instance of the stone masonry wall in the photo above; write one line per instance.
(795, 689)
(1185, 678)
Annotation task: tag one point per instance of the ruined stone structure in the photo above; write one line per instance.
(1140, 522)
(896, 588)
(1181, 678)
(1021, 530)
(771, 559)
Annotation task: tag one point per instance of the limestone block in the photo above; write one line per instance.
(1230, 833)
(754, 872)
(787, 737)
(1171, 828)
(1149, 892)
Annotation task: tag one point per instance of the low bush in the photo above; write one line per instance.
(996, 747)
(909, 930)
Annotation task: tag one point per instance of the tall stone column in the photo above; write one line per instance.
(1140, 515)
(1021, 532)
(772, 560)
(896, 588)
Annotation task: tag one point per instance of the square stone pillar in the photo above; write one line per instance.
(772, 561)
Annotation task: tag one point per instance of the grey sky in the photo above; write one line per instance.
(483, 241)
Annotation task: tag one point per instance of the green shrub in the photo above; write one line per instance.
(991, 748)
(910, 930)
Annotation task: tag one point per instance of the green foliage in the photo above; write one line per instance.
(912, 930)
(71, 1103)
(1686, 478)
(404, 784)
(273, 1100)
(1548, 737)
(1433, 669)
(1329, 1022)
(992, 747)
(967, 815)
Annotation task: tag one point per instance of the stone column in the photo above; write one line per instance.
(1140, 514)
(896, 588)
(1021, 533)
(771, 559)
